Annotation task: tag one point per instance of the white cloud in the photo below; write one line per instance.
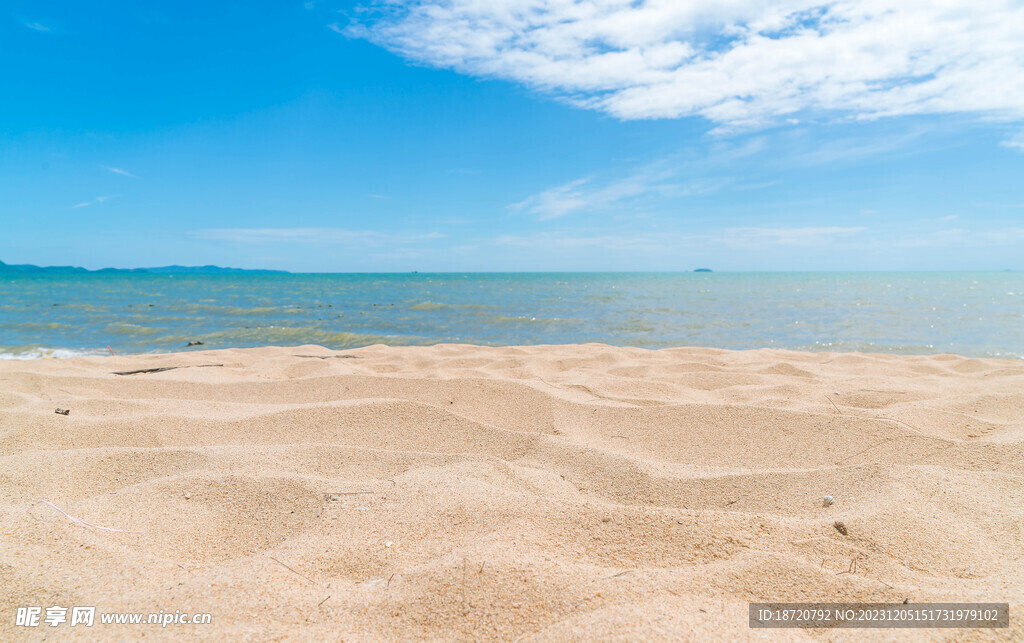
(736, 62)
(81, 205)
(117, 170)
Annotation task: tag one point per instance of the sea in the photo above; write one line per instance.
(978, 314)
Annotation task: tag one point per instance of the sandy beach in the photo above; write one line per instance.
(546, 492)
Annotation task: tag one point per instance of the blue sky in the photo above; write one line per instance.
(461, 135)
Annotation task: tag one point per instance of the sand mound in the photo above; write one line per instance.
(495, 493)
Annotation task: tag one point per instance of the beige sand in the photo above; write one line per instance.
(494, 493)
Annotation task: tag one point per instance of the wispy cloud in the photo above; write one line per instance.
(312, 236)
(787, 236)
(659, 179)
(735, 164)
(602, 242)
(669, 241)
(97, 200)
(555, 202)
(1015, 142)
(999, 206)
(740, 63)
(36, 26)
(815, 152)
(756, 186)
(640, 248)
(117, 170)
(336, 28)
(965, 238)
(780, 240)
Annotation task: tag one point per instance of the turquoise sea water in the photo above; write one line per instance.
(976, 314)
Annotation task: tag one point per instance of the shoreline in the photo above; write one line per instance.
(46, 353)
(456, 491)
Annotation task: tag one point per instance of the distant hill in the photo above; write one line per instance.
(205, 270)
(163, 270)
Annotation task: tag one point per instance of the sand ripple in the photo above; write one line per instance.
(491, 493)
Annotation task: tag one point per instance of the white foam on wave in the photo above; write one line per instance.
(49, 353)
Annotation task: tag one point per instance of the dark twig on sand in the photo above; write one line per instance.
(146, 370)
(311, 582)
(330, 497)
(852, 569)
(161, 369)
(628, 571)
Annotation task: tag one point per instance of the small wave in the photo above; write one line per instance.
(47, 353)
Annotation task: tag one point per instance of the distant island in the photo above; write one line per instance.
(703, 270)
(163, 270)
